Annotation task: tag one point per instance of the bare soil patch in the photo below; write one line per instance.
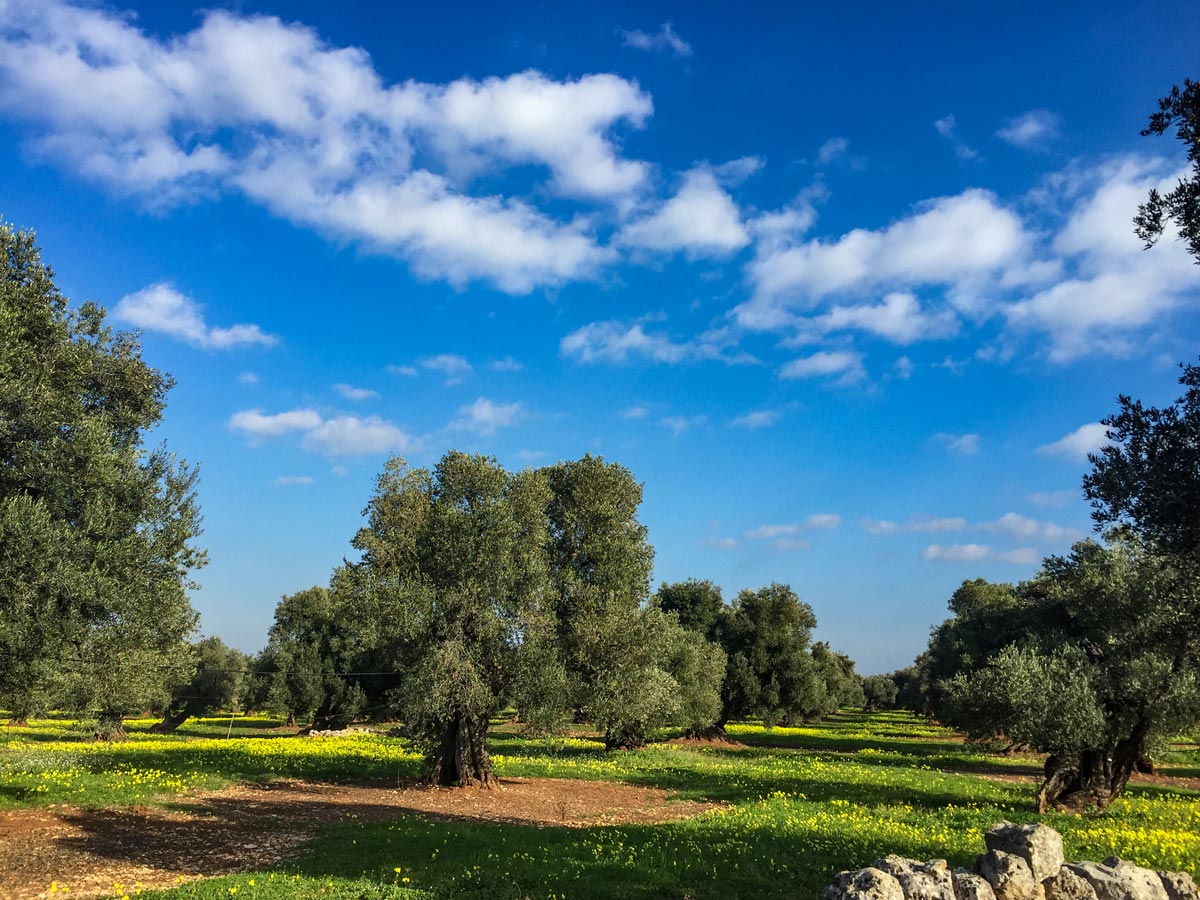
(247, 827)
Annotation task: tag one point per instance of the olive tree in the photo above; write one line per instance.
(1180, 206)
(99, 529)
(452, 578)
(217, 683)
(1108, 669)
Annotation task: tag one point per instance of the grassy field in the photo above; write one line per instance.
(799, 804)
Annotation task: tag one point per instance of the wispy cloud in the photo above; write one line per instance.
(961, 444)
(947, 127)
(956, 552)
(1079, 443)
(355, 393)
(1034, 128)
(485, 417)
(762, 418)
(666, 38)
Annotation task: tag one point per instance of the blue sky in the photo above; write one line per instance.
(848, 291)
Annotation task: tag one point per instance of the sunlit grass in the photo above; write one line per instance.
(798, 804)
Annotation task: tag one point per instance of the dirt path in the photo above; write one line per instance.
(244, 827)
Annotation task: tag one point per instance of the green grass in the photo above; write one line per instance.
(800, 804)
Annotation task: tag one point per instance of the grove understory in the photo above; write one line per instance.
(764, 812)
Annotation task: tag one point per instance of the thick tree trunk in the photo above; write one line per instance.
(713, 732)
(325, 719)
(170, 721)
(462, 759)
(1092, 778)
(625, 737)
(110, 727)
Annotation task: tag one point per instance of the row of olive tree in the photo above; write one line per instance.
(1096, 660)
(478, 587)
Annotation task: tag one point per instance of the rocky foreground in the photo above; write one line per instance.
(1022, 862)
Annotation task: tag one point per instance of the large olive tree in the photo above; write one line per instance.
(97, 529)
(452, 581)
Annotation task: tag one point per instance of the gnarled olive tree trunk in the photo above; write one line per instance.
(171, 720)
(110, 726)
(461, 758)
(1092, 778)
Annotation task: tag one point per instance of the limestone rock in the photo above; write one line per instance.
(919, 881)
(969, 886)
(1039, 845)
(1179, 885)
(1105, 880)
(1068, 885)
(1140, 884)
(1009, 875)
(864, 884)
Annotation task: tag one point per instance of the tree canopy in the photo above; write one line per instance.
(1180, 110)
(97, 529)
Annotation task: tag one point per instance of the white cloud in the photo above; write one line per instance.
(619, 343)
(356, 436)
(339, 436)
(288, 480)
(1025, 528)
(485, 417)
(254, 423)
(823, 521)
(268, 109)
(879, 526)
(354, 393)
(451, 366)
(679, 424)
(898, 319)
(763, 418)
(947, 523)
(1079, 443)
(701, 219)
(1030, 129)
(161, 308)
(903, 368)
(814, 522)
(947, 127)
(635, 412)
(1115, 289)
(962, 444)
(666, 38)
(1025, 556)
(846, 363)
(247, 378)
(507, 364)
(406, 371)
(955, 242)
(719, 543)
(339, 470)
(956, 552)
(833, 149)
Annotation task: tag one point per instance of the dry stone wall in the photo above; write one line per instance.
(1022, 862)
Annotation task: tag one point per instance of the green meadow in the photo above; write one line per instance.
(796, 805)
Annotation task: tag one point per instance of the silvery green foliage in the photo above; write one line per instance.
(100, 528)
